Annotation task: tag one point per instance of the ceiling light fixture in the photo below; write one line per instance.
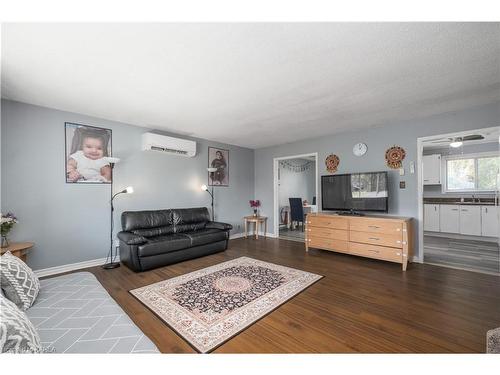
(457, 142)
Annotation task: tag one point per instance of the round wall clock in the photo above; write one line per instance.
(332, 163)
(359, 149)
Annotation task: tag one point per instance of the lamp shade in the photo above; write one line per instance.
(112, 160)
(129, 190)
(204, 187)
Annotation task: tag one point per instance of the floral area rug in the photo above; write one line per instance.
(209, 306)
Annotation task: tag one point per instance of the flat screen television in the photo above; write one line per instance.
(355, 192)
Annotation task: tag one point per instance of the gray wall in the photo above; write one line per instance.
(378, 139)
(436, 191)
(69, 222)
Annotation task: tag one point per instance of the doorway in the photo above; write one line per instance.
(295, 194)
(458, 182)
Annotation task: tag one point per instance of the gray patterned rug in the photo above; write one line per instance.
(209, 306)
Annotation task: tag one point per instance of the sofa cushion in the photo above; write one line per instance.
(133, 220)
(17, 333)
(163, 244)
(204, 236)
(151, 232)
(189, 219)
(18, 281)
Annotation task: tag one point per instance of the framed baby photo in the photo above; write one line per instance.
(87, 150)
(218, 158)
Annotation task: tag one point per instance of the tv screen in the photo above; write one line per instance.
(355, 192)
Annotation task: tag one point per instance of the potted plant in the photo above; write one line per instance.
(255, 204)
(6, 223)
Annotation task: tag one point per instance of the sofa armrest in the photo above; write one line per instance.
(131, 238)
(217, 225)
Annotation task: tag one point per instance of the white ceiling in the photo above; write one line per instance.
(253, 85)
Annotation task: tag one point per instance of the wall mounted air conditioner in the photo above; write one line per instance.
(168, 145)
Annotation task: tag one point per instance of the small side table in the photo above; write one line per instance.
(256, 220)
(18, 249)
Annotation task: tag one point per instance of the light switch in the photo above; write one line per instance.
(412, 167)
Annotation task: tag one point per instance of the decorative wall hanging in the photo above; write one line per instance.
(394, 157)
(332, 162)
(218, 158)
(88, 154)
(296, 166)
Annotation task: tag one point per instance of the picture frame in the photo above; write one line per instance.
(87, 149)
(218, 158)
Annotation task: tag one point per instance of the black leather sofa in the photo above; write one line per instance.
(151, 239)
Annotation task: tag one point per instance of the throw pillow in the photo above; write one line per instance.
(18, 281)
(17, 333)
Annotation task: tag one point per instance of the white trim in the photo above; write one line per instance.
(71, 267)
(99, 262)
(420, 182)
(275, 188)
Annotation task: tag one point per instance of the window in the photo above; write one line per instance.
(472, 173)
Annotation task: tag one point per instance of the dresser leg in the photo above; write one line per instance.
(405, 263)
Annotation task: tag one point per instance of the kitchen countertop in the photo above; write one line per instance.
(466, 202)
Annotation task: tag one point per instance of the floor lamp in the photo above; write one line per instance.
(205, 188)
(112, 264)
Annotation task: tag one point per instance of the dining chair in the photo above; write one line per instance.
(296, 212)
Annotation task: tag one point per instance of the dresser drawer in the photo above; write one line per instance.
(335, 234)
(328, 244)
(329, 222)
(382, 239)
(375, 226)
(377, 252)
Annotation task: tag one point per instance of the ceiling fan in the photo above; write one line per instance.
(458, 141)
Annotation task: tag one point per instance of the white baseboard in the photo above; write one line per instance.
(416, 259)
(98, 262)
(250, 234)
(71, 267)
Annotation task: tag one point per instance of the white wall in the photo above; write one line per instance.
(296, 184)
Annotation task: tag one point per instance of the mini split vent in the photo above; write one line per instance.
(168, 145)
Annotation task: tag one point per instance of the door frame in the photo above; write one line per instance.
(420, 182)
(276, 190)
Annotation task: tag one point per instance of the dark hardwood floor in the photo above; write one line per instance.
(361, 305)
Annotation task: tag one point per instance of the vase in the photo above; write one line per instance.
(255, 212)
(5, 242)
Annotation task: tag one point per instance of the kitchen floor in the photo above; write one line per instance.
(465, 254)
(295, 235)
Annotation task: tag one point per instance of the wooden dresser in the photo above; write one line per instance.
(387, 238)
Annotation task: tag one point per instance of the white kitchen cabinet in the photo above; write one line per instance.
(431, 217)
(489, 221)
(431, 167)
(470, 220)
(449, 218)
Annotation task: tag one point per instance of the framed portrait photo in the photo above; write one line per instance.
(87, 149)
(218, 158)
